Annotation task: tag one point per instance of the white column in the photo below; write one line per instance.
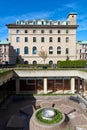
(72, 85)
(17, 86)
(45, 85)
(85, 87)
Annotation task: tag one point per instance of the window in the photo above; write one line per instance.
(34, 50)
(67, 51)
(42, 39)
(59, 31)
(67, 22)
(17, 39)
(67, 31)
(59, 39)
(50, 39)
(67, 39)
(34, 31)
(42, 31)
(34, 39)
(26, 31)
(18, 51)
(59, 50)
(50, 50)
(50, 31)
(58, 22)
(26, 39)
(25, 50)
(17, 31)
(34, 62)
(42, 22)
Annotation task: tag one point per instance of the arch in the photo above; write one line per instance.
(26, 62)
(34, 62)
(50, 62)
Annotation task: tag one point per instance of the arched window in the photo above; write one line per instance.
(50, 62)
(58, 50)
(26, 62)
(34, 62)
(25, 50)
(34, 50)
(50, 50)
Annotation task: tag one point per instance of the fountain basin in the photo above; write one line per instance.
(38, 125)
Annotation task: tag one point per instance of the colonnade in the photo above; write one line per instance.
(72, 85)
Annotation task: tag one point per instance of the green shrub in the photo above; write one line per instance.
(71, 64)
(57, 118)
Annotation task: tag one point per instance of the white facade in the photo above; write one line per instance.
(57, 38)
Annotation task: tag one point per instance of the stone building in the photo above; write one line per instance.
(4, 52)
(57, 38)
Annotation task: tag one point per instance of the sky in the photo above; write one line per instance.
(12, 10)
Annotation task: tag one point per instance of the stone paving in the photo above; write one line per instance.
(77, 118)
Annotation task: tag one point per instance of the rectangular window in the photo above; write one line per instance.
(34, 39)
(67, 39)
(18, 51)
(42, 39)
(50, 31)
(58, 22)
(42, 31)
(17, 31)
(17, 39)
(59, 39)
(26, 31)
(67, 51)
(50, 39)
(26, 39)
(34, 31)
(59, 31)
(67, 31)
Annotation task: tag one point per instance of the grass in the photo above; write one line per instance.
(5, 71)
(56, 119)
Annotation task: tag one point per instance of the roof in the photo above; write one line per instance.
(4, 42)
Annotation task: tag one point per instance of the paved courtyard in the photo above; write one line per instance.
(17, 112)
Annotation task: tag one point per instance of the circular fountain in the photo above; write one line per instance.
(47, 119)
(48, 113)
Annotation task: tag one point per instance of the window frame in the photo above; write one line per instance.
(59, 39)
(50, 39)
(50, 50)
(42, 39)
(58, 52)
(26, 50)
(17, 39)
(26, 31)
(34, 39)
(26, 39)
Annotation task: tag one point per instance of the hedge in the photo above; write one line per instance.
(71, 64)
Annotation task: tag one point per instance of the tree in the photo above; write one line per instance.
(43, 54)
(17, 60)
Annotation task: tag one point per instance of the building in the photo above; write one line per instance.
(4, 52)
(82, 50)
(57, 38)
